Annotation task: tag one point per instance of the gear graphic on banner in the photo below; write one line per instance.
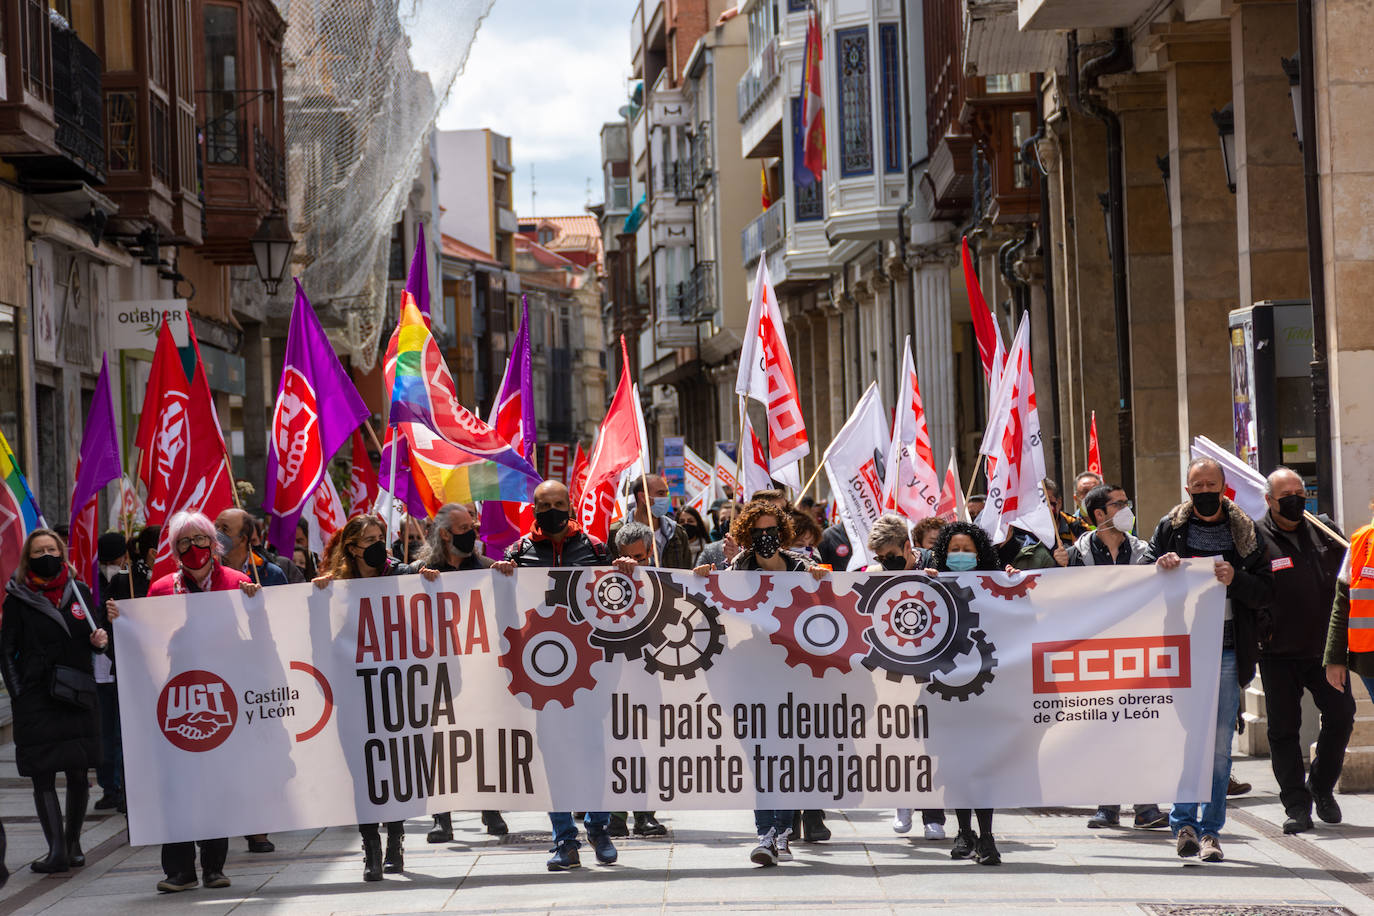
(1001, 585)
(691, 642)
(728, 602)
(920, 626)
(820, 630)
(549, 659)
(987, 661)
(627, 614)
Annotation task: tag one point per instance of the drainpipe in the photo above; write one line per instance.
(1316, 271)
(1029, 154)
(1115, 60)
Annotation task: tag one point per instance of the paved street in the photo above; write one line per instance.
(1052, 864)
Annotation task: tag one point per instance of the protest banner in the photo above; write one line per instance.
(587, 689)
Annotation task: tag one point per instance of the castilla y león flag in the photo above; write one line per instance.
(317, 410)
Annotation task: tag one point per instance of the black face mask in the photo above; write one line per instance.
(47, 566)
(551, 521)
(1292, 507)
(374, 555)
(465, 542)
(693, 532)
(1206, 504)
(893, 564)
(766, 542)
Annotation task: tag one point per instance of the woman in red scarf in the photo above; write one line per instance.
(199, 569)
(46, 640)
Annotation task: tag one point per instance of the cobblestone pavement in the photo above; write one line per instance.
(1052, 863)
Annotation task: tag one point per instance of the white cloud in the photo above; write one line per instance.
(547, 79)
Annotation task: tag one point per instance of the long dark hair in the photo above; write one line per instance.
(337, 559)
(987, 556)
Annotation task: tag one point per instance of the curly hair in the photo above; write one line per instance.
(338, 560)
(742, 528)
(804, 523)
(987, 556)
(924, 527)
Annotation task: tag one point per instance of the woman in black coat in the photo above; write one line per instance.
(46, 640)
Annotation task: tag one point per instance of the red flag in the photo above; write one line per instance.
(161, 438)
(951, 506)
(362, 479)
(1094, 456)
(201, 475)
(578, 478)
(617, 447)
(813, 105)
(984, 327)
(765, 375)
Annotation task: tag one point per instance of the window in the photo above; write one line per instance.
(1020, 133)
(223, 143)
(806, 190)
(10, 396)
(856, 109)
(889, 55)
(121, 131)
(1008, 82)
(396, 265)
(119, 36)
(545, 236)
(157, 43)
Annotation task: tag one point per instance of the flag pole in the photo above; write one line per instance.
(739, 451)
(648, 509)
(367, 425)
(972, 480)
(1325, 528)
(391, 487)
(814, 475)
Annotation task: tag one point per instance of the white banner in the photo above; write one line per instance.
(375, 700)
(855, 464)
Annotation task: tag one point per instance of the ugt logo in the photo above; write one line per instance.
(295, 427)
(197, 711)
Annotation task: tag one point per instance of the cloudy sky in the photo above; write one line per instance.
(547, 73)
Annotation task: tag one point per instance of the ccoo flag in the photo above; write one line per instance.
(97, 465)
(317, 410)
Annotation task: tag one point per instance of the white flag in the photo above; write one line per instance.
(724, 474)
(1015, 496)
(911, 485)
(754, 466)
(326, 516)
(696, 473)
(765, 375)
(1244, 484)
(855, 463)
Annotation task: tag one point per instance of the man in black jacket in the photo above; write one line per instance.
(557, 540)
(1208, 524)
(1305, 563)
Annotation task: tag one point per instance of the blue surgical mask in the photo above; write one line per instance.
(961, 562)
(661, 506)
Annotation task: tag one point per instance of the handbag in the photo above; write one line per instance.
(73, 687)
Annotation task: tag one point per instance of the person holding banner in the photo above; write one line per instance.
(197, 549)
(451, 546)
(891, 547)
(557, 540)
(46, 639)
(1208, 524)
(674, 551)
(963, 547)
(761, 531)
(359, 552)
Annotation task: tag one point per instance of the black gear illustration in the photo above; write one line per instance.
(691, 643)
(929, 656)
(987, 661)
(627, 641)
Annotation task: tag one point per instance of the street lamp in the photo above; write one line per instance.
(1225, 120)
(272, 245)
(1292, 67)
(1163, 163)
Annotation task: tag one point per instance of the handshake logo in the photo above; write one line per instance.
(197, 711)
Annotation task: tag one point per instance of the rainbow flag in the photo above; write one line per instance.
(19, 513)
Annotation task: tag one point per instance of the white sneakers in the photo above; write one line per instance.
(901, 821)
(784, 845)
(935, 831)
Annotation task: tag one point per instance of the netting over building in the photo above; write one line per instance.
(364, 80)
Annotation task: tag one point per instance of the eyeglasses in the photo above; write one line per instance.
(1117, 505)
(200, 540)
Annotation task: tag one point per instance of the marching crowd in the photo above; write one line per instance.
(1299, 607)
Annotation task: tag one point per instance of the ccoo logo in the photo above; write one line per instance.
(197, 711)
(295, 438)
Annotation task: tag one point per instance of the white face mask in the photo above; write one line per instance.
(1124, 520)
(110, 570)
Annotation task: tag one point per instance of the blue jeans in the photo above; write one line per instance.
(1213, 816)
(565, 830)
(1368, 684)
(777, 821)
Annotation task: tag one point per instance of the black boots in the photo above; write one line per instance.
(4, 872)
(442, 831)
(372, 856)
(495, 823)
(50, 817)
(394, 862)
(813, 829)
(78, 794)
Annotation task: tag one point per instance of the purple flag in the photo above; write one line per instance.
(97, 465)
(405, 487)
(512, 416)
(317, 411)
(417, 284)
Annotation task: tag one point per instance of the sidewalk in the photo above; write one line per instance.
(1052, 864)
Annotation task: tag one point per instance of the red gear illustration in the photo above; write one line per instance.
(533, 644)
(614, 596)
(1014, 589)
(727, 603)
(910, 619)
(841, 622)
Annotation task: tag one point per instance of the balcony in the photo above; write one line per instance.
(701, 289)
(765, 234)
(1074, 14)
(637, 39)
(701, 155)
(761, 76)
(51, 118)
(506, 220)
(675, 181)
(500, 153)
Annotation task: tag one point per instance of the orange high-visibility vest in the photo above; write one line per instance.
(1361, 626)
